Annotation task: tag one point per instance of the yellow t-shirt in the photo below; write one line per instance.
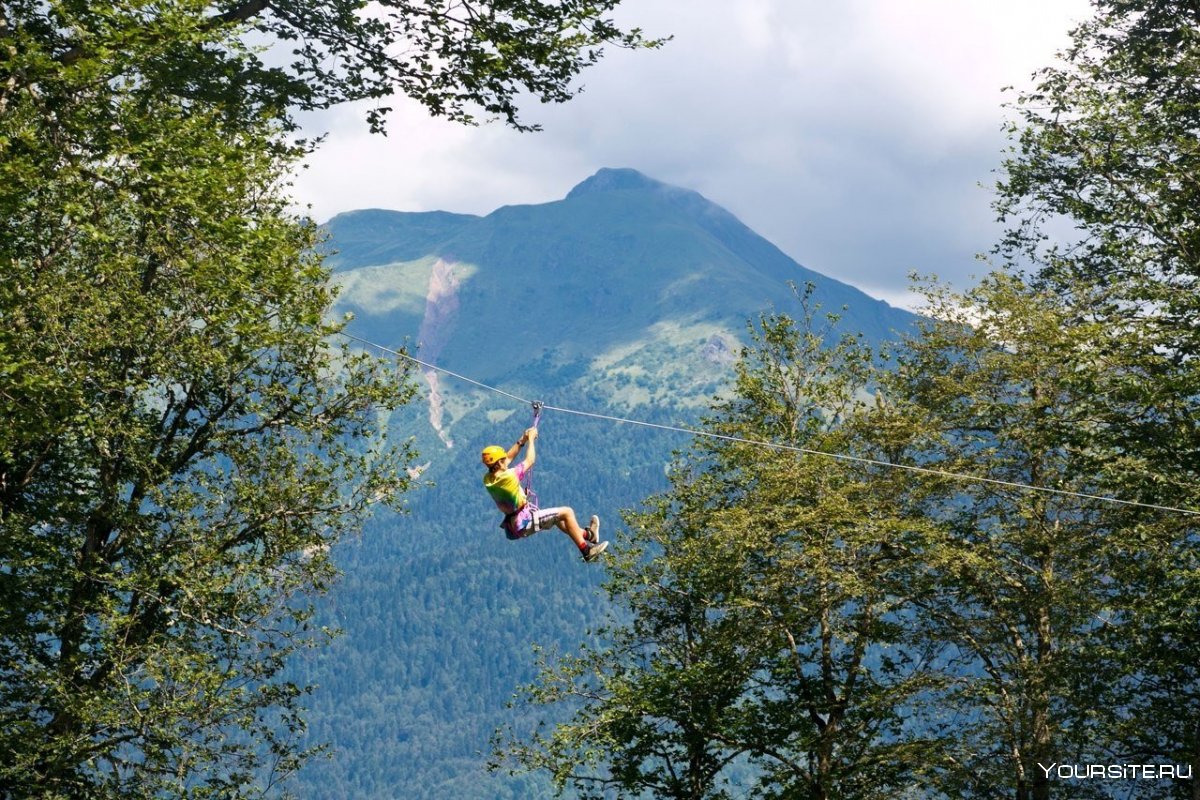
(505, 488)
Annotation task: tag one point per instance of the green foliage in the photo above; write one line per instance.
(766, 648)
(181, 443)
(472, 55)
(1027, 588)
(1108, 144)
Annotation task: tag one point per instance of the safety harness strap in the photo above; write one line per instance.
(530, 495)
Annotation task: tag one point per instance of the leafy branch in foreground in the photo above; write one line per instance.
(453, 58)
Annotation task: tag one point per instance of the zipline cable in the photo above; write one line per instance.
(431, 366)
(787, 447)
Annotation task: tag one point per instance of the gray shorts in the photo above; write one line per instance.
(546, 518)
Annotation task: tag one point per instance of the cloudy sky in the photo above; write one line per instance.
(860, 136)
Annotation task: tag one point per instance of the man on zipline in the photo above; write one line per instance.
(520, 518)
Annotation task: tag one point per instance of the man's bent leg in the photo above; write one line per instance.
(570, 526)
(563, 518)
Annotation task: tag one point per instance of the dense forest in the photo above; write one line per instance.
(963, 563)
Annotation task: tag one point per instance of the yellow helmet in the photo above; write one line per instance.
(493, 454)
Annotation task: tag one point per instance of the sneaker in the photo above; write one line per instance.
(594, 551)
(592, 532)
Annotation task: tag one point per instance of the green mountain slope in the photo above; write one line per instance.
(627, 297)
(619, 264)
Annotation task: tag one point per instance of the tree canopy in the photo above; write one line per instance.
(1100, 197)
(181, 446)
(184, 438)
(456, 58)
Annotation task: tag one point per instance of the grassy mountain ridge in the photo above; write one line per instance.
(376, 236)
(627, 297)
(586, 274)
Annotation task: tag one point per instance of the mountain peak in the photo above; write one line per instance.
(610, 179)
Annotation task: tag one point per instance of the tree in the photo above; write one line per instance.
(1107, 149)
(1028, 587)
(451, 57)
(183, 441)
(182, 444)
(767, 594)
(1099, 195)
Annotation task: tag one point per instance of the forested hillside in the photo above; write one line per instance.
(441, 614)
(629, 297)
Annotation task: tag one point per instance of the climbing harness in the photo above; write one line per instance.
(523, 521)
(531, 499)
(531, 495)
